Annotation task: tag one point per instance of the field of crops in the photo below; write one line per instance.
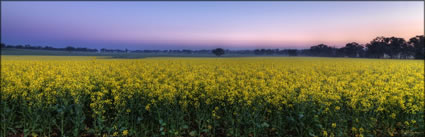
(275, 96)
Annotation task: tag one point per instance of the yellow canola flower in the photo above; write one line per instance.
(325, 133)
(393, 115)
(392, 89)
(125, 132)
(334, 125)
(337, 108)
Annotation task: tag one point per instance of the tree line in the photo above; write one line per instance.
(379, 47)
(105, 50)
(68, 48)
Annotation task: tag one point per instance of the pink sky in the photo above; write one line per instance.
(198, 25)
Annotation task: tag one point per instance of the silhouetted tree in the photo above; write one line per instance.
(19, 46)
(48, 48)
(69, 48)
(352, 49)
(187, 51)
(418, 45)
(407, 50)
(218, 51)
(305, 52)
(292, 52)
(27, 46)
(258, 52)
(376, 47)
(10, 46)
(322, 50)
(395, 46)
(392, 46)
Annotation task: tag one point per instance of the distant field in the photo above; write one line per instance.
(251, 96)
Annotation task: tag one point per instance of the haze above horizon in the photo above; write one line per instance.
(206, 25)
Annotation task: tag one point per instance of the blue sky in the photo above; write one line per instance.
(206, 25)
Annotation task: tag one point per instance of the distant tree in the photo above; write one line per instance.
(292, 52)
(395, 46)
(305, 52)
(19, 46)
(391, 46)
(48, 48)
(407, 50)
(187, 51)
(27, 46)
(352, 49)
(218, 51)
(10, 46)
(3, 45)
(418, 45)
(258, 52)
(322, 50)
(270, 51)
(376, 47)
(69, 48)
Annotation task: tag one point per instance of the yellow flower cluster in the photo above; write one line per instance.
(217, 96)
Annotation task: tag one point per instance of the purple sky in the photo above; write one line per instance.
(206, 25)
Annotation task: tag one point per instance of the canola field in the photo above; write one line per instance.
(259, 96)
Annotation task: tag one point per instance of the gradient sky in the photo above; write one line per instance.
(206, 25)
